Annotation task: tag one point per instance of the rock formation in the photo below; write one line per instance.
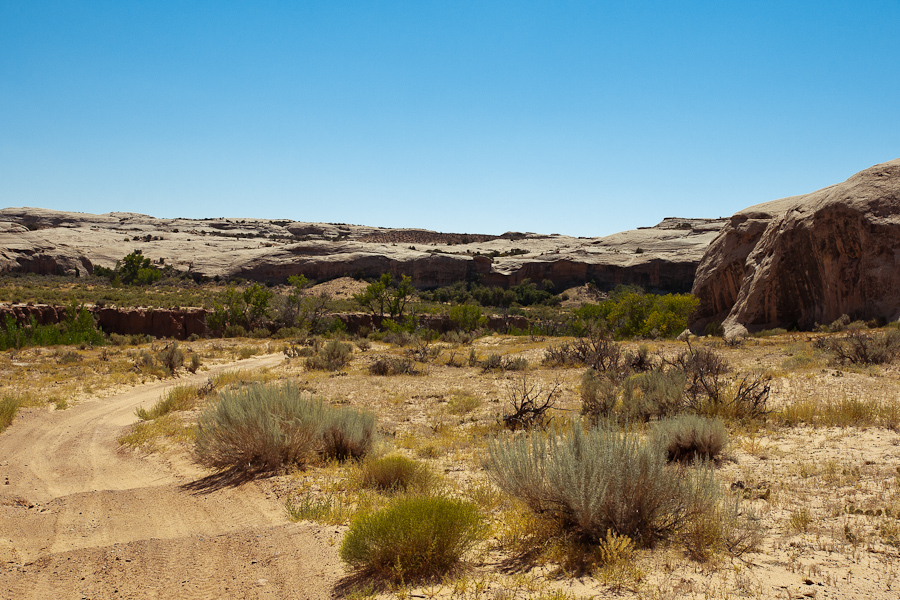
(807, 259)
(661, 258)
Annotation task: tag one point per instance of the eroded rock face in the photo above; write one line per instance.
(807, 259)
(662, 258)
(157, 322)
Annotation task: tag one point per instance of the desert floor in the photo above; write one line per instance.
(81, 516)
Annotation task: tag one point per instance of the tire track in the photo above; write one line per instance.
(80, 518)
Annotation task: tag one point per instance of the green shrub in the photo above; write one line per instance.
(78, 328)
(689, 437)
(629, 312)
(334, 356)
(600, 480)
(467, 317)
(413, 538)
(264, 427)
(234, 331)
(396, 473)
(458, 337)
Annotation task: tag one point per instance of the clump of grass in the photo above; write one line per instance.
(843, 412)
(412, 538)
(182, 397)
(241, 377)
(800, 520)
(462, 403)
(331, 509)
(689, 437)
(145, 435)
(396, 473)
(333, 356)
(496, 362)
(9, 406)
(591, 482)
(262, 428)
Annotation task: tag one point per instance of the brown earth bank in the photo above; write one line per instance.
(807, 260)
(663, 258)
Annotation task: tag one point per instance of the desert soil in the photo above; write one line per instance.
(81, 518)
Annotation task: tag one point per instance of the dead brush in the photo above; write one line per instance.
(595, 350)
(422, 351)
(529, 405)
(857, 347)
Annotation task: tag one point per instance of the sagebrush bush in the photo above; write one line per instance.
(652, 394)
(599, 396)
(170, 358)
(333, 356)
(347, 433)
(600, 480)
(392, 365)
(261, 428)
(395, 473)
(690, 437)
(413, 538)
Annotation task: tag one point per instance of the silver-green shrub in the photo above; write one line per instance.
(690, 437)
(261, 428)
(602, 480)
(652, 394)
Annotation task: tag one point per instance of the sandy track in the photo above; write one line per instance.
(80, 518)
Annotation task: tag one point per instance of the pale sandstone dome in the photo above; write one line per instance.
(46, 241)
(807, 259)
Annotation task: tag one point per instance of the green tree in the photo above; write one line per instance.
(383, 295)
(135, 269)
(256, 301)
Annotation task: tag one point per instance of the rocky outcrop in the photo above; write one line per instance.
(662, 258)
(807, 259)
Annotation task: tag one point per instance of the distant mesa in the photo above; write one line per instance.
(661, 258)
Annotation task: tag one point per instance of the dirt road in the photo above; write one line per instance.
(81, 518)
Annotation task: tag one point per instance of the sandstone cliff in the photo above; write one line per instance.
(663, 257)
(807, 259)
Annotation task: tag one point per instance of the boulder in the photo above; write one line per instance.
(807, 259)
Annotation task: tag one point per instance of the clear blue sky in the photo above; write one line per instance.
(582, 118)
